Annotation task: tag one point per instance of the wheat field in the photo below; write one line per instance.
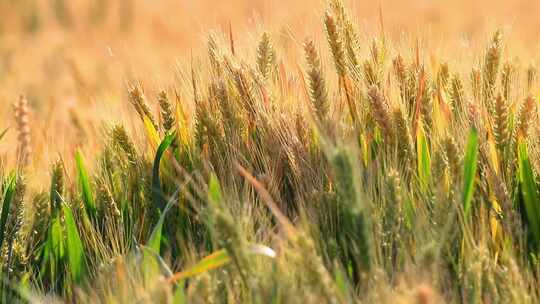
(269, 152)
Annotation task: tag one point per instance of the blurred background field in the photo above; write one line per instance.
(73, 58)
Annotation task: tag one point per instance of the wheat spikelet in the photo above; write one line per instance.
(215, 55)
(231, 119)
(317, 275)
(476, 84)
(338, 9)
(403, 136)
(57, 186)
(244, 87)
(24, 148)
(317, 87)
(122, 140)
(453, 158)
(265, 55)
(501, 122)
(457, 95)
(166, 111)
(392, 218)
(208, 133)
(506, 80)
(400, 71)
(16, 212)
(426, 98)
(412, 85)
(491, 65)
(108, 203)
(443, 77)
(335, 42)
(373, 66)
(230, 237)
(138, 100)
(473, 115)
(380, 110)
(370, 74)
(531, 77)
(352, 44)
(526, 115)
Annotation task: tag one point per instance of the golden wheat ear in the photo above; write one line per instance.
(167, 116)
(24, 148)
(381, 113)
(318, 94)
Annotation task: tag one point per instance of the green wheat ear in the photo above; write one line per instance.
(57, 186)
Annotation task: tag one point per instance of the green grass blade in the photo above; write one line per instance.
(9, 193)
(53, 249)
(424, 160)
(469, 170)
(84, 182)
(75, 248)
(529, 191)
(179, 296)
(157, 193)
(213, 261)
(214, 190)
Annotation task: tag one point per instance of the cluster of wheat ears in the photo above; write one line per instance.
(378, 178)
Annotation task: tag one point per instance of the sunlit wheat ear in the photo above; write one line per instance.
(453, 158)
(265, 56)
(352, 44)
(166, 111)
(373, 66)
(338, 9)
(138, 100)
(394, 185)
(476, 84)
(335, 42)
(426, 101)
(109, 205)
(473, 115)
(121, 139)
(457, 95)
(245, 89)
(400, 72)
(232, 122)
(403, 136)
(491, 65)
(215, 55)
(531, 77)
(527, 114)
(370, 74)
(501, 122)
(24, 148)
(443, 77)
(507, 75)
(380, 111)
(317, 87)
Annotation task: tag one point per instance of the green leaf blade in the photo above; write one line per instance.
(469, 170)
